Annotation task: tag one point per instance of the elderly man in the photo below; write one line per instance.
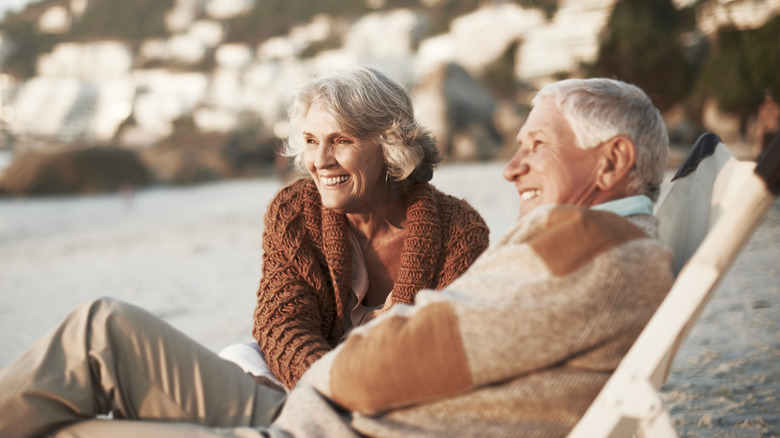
(520, 345)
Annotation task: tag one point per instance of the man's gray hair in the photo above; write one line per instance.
(599, 109)
(369, 105)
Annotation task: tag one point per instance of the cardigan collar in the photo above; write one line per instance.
(423, 244)
(419, 256)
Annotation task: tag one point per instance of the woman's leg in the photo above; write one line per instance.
(109, 356)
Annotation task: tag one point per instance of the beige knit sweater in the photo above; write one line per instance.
(305, 285)
(519, 346)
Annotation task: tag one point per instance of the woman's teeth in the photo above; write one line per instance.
(334, 180)
(529, 194)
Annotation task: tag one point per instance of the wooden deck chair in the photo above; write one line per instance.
(712, 207)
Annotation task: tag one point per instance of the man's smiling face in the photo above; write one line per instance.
(548, 167)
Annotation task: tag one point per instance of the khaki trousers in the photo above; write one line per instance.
(109, 357)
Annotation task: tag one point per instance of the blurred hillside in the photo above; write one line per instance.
(198, 88)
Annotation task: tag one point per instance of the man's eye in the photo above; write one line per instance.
(310, 141)
(343, 141)
(536, 145)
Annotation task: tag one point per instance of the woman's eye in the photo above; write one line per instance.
(343, 141)
(310, 141)
(536, 145)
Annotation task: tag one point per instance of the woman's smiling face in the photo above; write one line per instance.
(349, 172)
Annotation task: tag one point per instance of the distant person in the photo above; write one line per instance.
(127, 193)
(520, 345)
(364, 231)
(767, 123)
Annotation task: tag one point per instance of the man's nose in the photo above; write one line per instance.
(516, 167)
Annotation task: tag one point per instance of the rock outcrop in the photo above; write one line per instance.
(459, 111)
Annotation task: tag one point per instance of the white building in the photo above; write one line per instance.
(82, 92)
(321, 28)
(571, 38)
(183, 14)
(742, 14)
(87, 61)
(42, 105)
(56, 19)
(484, 35)
(268, 87)
(225, 9)
(165, 96)
(477, 39)
(392, 33)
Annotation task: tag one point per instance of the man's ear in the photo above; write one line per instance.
(617, 160)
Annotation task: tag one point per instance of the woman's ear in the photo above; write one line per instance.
(617, 160)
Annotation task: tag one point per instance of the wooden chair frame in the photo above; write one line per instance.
(630, 402)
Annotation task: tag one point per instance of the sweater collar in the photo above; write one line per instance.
(419, 256)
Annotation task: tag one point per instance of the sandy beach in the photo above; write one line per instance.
(192, 256)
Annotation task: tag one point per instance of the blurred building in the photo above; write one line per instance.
(741, 14)
(88, 91)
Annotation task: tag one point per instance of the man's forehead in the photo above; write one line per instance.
(543, 117)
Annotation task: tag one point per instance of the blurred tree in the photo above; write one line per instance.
(442, 13)
(104, 19)
(550, 7)
(499, 76)
(130, 21)
(740, 67)
(26, 44)
(270, 18)
(641, 45)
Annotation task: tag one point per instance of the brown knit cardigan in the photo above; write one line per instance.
(306, 268)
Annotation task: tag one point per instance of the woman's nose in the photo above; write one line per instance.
(516, 167)
(323, 156)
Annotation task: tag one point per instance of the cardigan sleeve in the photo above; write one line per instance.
(466, 237)
(288, 325)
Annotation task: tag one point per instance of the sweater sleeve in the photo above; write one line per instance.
(574, 295)
(466, 237)
(287, 320)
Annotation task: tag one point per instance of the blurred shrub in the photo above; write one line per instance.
(740, 67)
(499, 76)
(270, 18)
(130, 21)
(550, 7)
(85, 170)
(26, 43)
(641, 45)
(189, 156)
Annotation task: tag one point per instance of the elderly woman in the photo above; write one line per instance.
(364, 230)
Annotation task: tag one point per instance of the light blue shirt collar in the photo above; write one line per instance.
(639, 204)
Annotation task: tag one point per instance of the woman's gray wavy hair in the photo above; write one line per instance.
(599, 109)
(369, 105)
